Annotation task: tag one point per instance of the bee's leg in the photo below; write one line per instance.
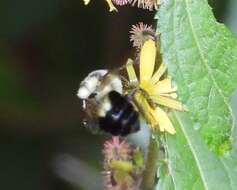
(83, 104)
(130, 95)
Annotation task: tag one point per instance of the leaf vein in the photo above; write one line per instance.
(194, 153)
(203, 59)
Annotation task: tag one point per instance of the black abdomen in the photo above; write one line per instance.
(122, 119)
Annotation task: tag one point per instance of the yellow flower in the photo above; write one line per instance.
(110, 4)
(153, 93)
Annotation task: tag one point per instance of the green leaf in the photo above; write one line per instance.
(202, 59)
(192, 165)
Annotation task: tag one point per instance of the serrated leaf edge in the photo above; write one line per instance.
(206, 64)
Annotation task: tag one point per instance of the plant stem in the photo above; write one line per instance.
(149, 176)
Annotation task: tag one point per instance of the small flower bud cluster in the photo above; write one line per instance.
(140, 33)
(144, 4)
(123, 165)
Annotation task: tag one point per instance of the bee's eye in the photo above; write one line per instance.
(92, 95)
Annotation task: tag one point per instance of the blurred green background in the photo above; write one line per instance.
(46, 48)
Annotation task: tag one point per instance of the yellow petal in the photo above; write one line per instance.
(111, 6)
(145, 109)
(147, 60)
(171, 95)
(86, 2)
(161, 70)
(131, 72)
(164, 121)
(162, 87)
(168, 102)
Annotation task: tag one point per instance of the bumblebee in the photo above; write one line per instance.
(105, 105)
(113, 99)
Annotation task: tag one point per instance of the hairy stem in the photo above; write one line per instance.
(149, 176)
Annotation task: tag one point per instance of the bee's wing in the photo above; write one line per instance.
(90, 120)
(92, 125)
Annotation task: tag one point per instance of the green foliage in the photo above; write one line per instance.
(138, 158)
(201, 55)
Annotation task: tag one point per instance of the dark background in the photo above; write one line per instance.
(46, 48)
